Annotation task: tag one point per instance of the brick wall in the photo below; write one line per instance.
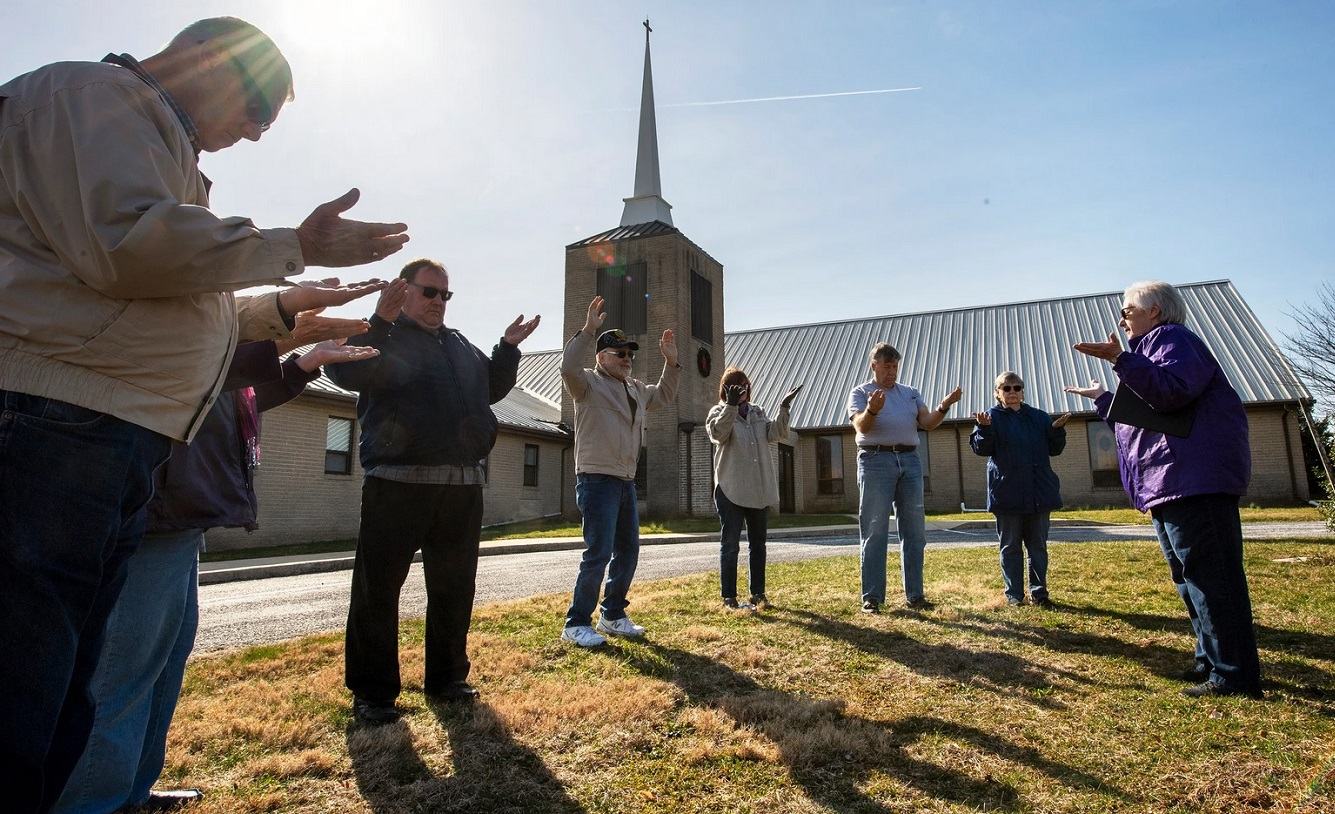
(506, 496)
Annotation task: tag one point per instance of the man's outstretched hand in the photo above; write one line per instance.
(328, 239)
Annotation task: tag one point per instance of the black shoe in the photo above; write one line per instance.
(375, 713)
(456, 692)
(759, 601)
(920, 603)
(1215, 689)
(1196, 674)
(870, 607)
(169, 799)
(1044, 602)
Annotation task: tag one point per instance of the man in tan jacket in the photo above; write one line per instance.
(116, 327)
(609, 428)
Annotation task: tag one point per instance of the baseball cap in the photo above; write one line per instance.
(615, 338)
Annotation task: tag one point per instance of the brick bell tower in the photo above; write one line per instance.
(654, 278)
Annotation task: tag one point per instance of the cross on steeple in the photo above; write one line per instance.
(647, 203)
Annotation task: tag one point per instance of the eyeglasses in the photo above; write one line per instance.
(622, 353)
(431, 292)
(1011, 388)
(258, 109)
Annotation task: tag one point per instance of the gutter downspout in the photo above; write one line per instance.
(1288, 451)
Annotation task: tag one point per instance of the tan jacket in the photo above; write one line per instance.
(111, 263)
(607, 439)
(743, 467)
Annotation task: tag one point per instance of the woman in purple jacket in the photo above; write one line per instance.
(1189, 484)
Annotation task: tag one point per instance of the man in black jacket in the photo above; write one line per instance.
(426, 426)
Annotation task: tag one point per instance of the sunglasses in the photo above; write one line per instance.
(258, 109)
(1011, 388)
(431, 292)
(622, 353)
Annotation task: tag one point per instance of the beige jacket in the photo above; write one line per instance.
(607, 438)
(743, 467)
(111, 264)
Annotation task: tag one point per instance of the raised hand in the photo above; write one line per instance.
(733, 393)
(314, 294)
(788, 399)
(1094, 390)
(875, 401)
(1107, 351)
(327, 239)
(391, 300)
(594, 319)
(1061, 421)
(311, 327)
(334, 352)
(668, 346)
(519, 330)
(952, 397)
(983, 419)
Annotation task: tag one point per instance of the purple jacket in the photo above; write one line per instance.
(1170, 367)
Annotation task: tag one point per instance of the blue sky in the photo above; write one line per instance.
(1055, 148)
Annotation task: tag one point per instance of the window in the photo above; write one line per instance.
(925, 456)
(702, 308)
(1103, 455)
(530, 464)
(642, 474)
(625, 292)
(338, 446)
(829, 464)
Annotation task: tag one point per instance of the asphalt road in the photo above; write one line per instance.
(240, 614)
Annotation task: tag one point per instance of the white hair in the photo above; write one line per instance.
(1148, 293)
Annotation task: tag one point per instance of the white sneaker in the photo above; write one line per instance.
(620, 627)
(584, 636)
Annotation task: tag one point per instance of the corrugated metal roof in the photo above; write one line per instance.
(650, 229)
(540, 374)
(519, 409)
(970, 346)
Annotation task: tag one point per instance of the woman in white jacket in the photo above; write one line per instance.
(746, 484)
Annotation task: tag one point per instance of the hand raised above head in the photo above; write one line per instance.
(1094, 390)
(328, 239)
(667, 345)
(594, 319)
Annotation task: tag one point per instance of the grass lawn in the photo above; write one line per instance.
(1130, 517)
(808, 707)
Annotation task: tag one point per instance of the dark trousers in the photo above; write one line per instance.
(1016, 533)
(398, 519)
(731, 519)
(1201, 538)
(73, 486)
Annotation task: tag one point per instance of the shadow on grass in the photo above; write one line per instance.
(491, 772)
(1000, 672)
(829, 753)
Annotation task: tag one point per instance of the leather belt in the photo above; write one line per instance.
(888, 447)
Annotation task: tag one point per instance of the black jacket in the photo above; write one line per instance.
(426, 399)
(208, 483)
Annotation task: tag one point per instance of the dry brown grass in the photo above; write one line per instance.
(810, 707)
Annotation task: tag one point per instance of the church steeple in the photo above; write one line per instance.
(647, 203)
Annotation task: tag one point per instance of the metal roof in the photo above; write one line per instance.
(970, 346)
(540, 374)
(519, 410)
(651, 229)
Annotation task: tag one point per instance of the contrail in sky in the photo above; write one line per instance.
(789, 98)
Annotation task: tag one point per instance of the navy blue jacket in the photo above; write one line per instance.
(426, 399)
(1020, 479)
(209, 483)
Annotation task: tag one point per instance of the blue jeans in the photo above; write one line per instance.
(731, 519)
(1201, 538)
(1018, 532)
(611, 535)
(73, 486)
(138, 679)
(886, 478)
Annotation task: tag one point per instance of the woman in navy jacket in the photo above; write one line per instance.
(1022, 489)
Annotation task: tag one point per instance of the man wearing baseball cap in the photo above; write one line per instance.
(609, 426)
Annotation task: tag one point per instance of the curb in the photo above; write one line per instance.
(237, 570)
